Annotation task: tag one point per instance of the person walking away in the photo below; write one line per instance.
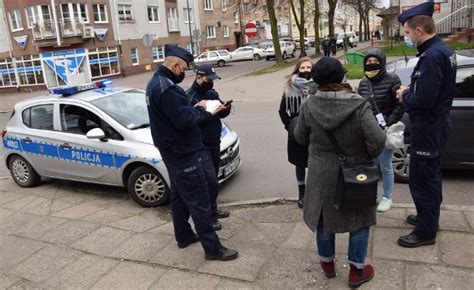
(202, 89)
(174, 125)
(295, 93)
(380, 88)
(326, 44)
(336, 108)
(428, 101)
(333, 42)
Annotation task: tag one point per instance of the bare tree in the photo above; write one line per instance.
(274, 28)
(317, 45)
(300, 21)
(332, 9)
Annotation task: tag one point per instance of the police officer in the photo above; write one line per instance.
(202, 89)
(175, 130)
(428, 101)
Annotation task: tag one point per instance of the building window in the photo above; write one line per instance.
(153, 14)
(75, 10)
(226, 31)
(245, 8)
(207, 4)
(211, 31)
(100, 13)
(15, 20)
(134, 55)
(7, 73)
(158, 53)
(236, 17)
(173, 19)
(125, 12)
(29, 70)
(104, 62)
(224, 5)
(186, 15)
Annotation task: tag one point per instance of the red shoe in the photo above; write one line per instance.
(358, 277)
(328, 268)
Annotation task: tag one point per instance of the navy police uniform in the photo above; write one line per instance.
(175, 130)
(210, 131)
(428, 101)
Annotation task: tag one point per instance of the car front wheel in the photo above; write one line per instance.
(401, 163)
(221, 63)
(23, 173)
(284, 55)
(147, 187)
(256, 56)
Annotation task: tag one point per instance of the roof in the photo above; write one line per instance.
(390, 11)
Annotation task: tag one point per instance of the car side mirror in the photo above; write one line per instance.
(96, 133)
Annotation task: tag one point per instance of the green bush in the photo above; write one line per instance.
(458, 45)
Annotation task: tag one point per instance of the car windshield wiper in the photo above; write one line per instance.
(144, 125)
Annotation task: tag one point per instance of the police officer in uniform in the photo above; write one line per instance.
(175, 130)
(202, 89)
(428, 101)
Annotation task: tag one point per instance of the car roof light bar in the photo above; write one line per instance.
(67, 91)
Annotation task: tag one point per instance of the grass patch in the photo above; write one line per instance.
(458, 45)
(354, 71)
(398, 49)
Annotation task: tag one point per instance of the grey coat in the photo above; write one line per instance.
(350, 117)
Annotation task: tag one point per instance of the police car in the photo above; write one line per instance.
(98, 134)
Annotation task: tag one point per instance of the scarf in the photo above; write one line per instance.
(296, 92)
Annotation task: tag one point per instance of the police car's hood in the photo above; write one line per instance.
(143, 135)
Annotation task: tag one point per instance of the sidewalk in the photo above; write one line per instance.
(61, 236)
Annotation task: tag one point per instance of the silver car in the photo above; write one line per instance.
(100, 135)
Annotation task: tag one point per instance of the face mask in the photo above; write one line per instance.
(206, 86)
(372, 70)
(372, 73)
(304, 74)
(409, 42)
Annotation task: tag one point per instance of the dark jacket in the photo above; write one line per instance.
(383, 87)
(350, 117)
(210, 128)
(174, 123)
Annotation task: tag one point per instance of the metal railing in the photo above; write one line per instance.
(71, 27)
(459, 19)
(44, 30)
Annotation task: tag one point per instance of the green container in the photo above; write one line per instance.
(355, 57)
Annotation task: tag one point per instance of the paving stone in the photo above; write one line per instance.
(82, 273)
(14, 250)
(189, 258)
(128, 206)
(138, 223)
(470, 217)
(176, 279)
(388, 274)
(395, 217)
(141, 246)
(385, 246)
(7, 280)
(45, 263)
(38, 227)
(27, 285)
(453, 221)
(263, 233)
(77, 211)
(8, 185)
(103, 241)
(437, 277)
(165, 229)
(42, 209)
(21, 203)
(128, 275)
(229, 284)
(300, 237)
(246, 267)
(8, 196)
(5, 213)
(457, 249)
(270, 214)
(106, 216)
(69, 232)
(16, 221)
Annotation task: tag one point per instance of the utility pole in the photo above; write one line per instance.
(189, 26)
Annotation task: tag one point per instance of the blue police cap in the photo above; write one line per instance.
(174, 50)
(426, 8)
(207, 70)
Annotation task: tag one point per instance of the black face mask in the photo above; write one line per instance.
(179, 78)
(206, 86)
(372, 66)
(304, 75)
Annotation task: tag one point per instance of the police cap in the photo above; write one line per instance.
(207, 70)
(426, 8)
(174, 50)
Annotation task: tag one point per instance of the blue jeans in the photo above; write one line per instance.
(300, 174)
(358, 244)
(384, 161)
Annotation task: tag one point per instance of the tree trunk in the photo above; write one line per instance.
(299, 23)
(317, 45)
(332, 8)
(361, 16)
(274, 28)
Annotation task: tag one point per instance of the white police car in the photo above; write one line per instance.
(99, 134)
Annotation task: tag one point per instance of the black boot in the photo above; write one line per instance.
(301, 189)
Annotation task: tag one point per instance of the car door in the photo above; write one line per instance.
(203, 58)
(83, 158)
(460, 148)
(213, 57)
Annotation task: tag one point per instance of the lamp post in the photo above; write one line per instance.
(189, 26)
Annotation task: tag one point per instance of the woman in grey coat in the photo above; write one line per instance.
(336, 108)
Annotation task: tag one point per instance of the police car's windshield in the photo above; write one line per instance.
(128, 108)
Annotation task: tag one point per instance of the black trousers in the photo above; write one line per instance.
(211, 177)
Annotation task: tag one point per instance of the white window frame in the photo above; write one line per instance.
(155, 50)
(210, 31)
(185, 12)
(97, 53)
(152, 8)
(123, 8)
(100, 8)
(224, 5)
(137, 56)
(208, 5)
(245, 8)
(74, 8)
(226, 31)
(18, 20)
(34, 17)
(236, 18)
(173, 24)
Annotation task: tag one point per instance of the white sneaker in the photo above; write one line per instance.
(384, 205)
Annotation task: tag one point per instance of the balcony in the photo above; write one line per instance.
(71, 27)
(44, 30)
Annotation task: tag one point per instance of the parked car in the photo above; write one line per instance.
(287, 49)
(247, 53)
(459, 152)
(215, 57)
(352, 39)
(306, 42)
(264, 45)
(97, 135)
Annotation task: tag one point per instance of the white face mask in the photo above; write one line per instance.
(409, 42)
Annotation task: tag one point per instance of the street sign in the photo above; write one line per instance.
(250, 30)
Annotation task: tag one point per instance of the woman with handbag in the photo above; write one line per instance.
(339, 127)
(380, 88)
(295, 93)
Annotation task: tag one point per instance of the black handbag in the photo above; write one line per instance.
(357, 182)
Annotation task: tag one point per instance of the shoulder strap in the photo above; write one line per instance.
(372, 96)
(334, 143)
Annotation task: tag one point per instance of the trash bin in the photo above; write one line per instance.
(355, 57)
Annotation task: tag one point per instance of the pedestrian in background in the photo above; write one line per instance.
(174, 125)
(380, 88)
(295, 93)
(326, 44)
(428, 101)
(348, 116)
(333, 42)
(202, 89)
